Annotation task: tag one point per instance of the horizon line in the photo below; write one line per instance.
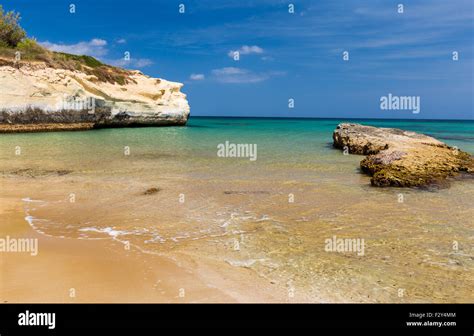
(329, 118)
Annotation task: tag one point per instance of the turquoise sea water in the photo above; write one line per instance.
(280, 208)
(300, 135)
(278, 140)
(202, 133)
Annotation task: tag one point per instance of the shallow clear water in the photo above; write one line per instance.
(272, 215)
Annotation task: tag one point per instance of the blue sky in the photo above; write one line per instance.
(282, 55)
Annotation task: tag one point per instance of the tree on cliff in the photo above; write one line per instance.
(10, 31)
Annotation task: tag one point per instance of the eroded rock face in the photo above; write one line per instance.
(402, 158)
(34, 97)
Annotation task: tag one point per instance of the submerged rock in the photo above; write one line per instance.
(37, 97)
(33, 172)
(402, 158)
(151, 191)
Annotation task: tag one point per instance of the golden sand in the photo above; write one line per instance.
(72, 270)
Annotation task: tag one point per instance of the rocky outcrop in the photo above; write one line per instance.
(36, 97)
(402, 158)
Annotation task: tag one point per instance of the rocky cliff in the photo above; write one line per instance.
(402, 158)
(36, 96)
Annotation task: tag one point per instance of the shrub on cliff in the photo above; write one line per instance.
(13, 39)
(30, 49)
(82, 59)
(10, 31)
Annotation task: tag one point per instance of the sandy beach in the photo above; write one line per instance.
(73, 270)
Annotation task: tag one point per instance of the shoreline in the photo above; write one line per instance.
(99, 271)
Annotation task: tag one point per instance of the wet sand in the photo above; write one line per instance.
(72, 270)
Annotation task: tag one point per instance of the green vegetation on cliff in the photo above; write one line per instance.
(14, 45)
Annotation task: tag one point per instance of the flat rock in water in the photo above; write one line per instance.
(402, 158)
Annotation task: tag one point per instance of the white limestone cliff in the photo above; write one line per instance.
(35, 97)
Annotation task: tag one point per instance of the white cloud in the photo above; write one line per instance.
(133, 62)
(121, 41)
(228, 71)
(246, 50)
(142, 62)
(95, 47)
(197, 77)
(238, 75)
